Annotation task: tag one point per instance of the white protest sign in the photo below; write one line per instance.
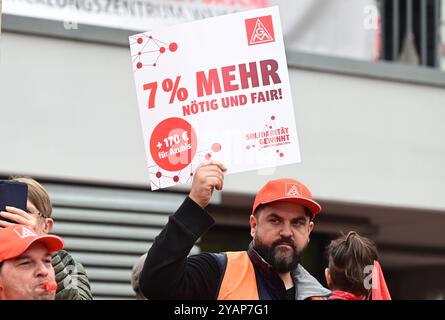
(214, 89)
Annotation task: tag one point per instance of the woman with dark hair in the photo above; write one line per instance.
(351, 259)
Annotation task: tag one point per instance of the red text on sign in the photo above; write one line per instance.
(235, 77)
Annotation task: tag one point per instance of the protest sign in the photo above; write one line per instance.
(214, 89)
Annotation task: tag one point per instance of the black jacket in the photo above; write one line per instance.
(169, 274)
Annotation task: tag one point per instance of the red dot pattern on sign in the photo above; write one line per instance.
(273, 117)
(149, 44)
(173, 46)
(158, 175)
(248, 147)
(191, 174)
(175, 178)
(281, 155)
(208, 156)
(278, 151)
(216, 147)
(270, 127)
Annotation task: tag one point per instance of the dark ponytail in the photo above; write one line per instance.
(348, 256)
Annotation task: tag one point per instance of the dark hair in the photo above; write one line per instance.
(348, 256)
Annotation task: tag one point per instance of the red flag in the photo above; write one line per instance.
(379, 289)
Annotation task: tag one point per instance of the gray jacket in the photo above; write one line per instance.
(306, 285)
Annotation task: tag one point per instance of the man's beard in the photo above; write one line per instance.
(275, 256)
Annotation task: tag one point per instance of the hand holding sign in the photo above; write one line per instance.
(208, 176)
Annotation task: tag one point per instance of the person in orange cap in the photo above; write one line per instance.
(280, 224)
(351, 257)
(71, 277)
(26, 272)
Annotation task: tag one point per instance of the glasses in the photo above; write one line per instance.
(37, 213)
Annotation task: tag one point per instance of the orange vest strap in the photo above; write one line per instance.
(239, 282)
(317, 298)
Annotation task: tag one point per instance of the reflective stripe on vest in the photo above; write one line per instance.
(239, 282)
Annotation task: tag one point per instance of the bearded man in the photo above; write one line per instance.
(281, 222)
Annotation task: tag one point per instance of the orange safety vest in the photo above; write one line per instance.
(239, 282)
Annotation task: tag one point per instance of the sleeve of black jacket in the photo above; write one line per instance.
(168, 273)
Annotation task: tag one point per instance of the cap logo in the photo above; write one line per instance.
(293, 190)
(25, 233)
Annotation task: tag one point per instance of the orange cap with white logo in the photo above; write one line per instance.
(16, 239)
(289, 190)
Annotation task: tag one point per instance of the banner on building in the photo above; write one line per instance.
(345, 28)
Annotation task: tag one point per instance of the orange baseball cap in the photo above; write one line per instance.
(16, 239)
(289, 190)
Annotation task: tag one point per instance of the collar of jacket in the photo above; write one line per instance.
(306, 285)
